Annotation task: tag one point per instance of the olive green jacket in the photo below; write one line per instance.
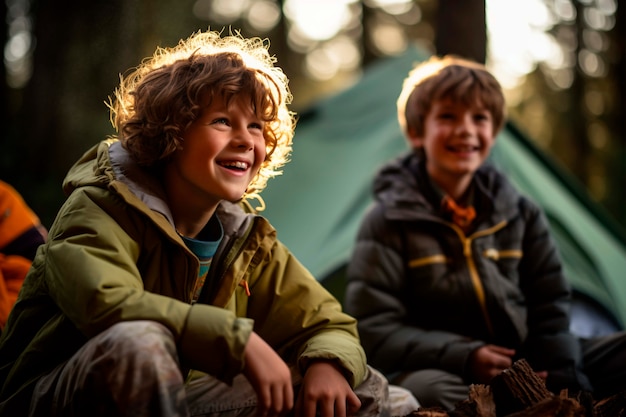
(113, 255)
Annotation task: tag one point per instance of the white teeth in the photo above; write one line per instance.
(236, 164)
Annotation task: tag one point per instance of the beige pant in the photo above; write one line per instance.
(132, 369)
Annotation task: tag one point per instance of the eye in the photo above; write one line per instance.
(446, 115)
(221, 120)
(482, 117)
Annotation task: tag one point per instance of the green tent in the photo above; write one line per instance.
(340, 142)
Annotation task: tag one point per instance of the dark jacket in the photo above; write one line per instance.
(113, 255)
(427, 294)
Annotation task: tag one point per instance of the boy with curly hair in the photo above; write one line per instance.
(160, 290)
(454, 275)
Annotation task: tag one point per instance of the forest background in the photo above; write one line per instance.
(565, 89)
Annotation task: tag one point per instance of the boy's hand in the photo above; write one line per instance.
(269, 376)
(325, 392)
(488, 361)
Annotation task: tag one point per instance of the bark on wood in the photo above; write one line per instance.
(553, 407)
(614, 406)
(519, 392)
(517, 388)
(479, 403)
(429, 412)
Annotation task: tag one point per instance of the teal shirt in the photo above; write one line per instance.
(204, 247)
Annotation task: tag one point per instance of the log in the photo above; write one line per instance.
(553, 407)
(479, 403)
(519, 392)
(614, 406)
(429, 412)
(517, 388)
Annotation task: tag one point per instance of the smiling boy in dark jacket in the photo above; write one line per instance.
(455, 275)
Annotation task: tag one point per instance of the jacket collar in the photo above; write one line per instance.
(403, 186)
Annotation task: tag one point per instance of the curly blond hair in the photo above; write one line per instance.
(158, 100)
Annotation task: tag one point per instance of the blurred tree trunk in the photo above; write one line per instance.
(576, 114)
(278, 46)
(76, 62)
(8, 98)
(617, 198)
(368, 51)
(82, 48)
(3, 72)
(461, 29)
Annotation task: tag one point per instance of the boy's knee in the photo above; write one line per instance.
(435, 388)
(136, 341)
(379, 398)
(136, 332)
(130, 363)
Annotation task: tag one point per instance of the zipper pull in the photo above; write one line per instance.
(243, 283)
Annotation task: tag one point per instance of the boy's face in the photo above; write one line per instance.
(456, 140)
(221, 153)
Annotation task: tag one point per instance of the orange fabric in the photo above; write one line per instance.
(13, 270)
(15, 215)
(461, 216)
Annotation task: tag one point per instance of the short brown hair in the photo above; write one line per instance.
(448, 77)
(157, 101)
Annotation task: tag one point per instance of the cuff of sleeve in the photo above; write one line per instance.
(456, 355)
(347, 352)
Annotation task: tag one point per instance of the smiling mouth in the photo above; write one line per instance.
(463, 148)
(235, 165)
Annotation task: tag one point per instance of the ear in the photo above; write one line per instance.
(415, 141)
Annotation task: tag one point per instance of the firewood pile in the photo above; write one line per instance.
(519, 392)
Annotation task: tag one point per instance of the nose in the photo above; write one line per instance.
(243, 139)
(465, 126)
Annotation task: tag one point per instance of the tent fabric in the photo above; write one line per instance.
(341, 141)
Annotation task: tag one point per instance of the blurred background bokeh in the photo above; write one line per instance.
(562, 63)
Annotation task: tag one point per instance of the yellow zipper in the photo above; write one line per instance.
(496, 254)
(471, 265)
(477, 283)
(435, 259)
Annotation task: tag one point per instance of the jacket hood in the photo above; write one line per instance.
(109, 165)
(396, 182)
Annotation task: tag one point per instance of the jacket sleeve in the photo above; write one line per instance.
(297, 316)
(550, 344)
(376, 275)
(92, 272)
